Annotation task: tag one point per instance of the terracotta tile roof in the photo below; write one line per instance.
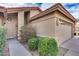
(3, 9)
(24, 8)
(55, 7)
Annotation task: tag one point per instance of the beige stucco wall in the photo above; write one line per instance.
(64, 31)
(63, 17)
(34, 12)
(20, 22)
(45, 26)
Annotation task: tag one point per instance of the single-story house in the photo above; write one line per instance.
(14, 18)
(55, 22)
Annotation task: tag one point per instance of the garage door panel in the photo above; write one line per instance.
(63, 32)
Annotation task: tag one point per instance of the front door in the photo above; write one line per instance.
(10, 26)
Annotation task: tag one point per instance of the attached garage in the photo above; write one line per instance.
(63, 31)
(54, 22)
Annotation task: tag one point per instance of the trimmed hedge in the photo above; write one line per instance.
(47, 46)
(33, 43)
(2, 39)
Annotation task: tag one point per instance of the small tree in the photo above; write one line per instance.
(27, 32)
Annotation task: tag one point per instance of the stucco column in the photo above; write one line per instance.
(20, 22)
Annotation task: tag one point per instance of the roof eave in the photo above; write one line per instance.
(52, 9)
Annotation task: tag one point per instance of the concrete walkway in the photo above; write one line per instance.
(16, 49)
(69, 48)
(72, 47)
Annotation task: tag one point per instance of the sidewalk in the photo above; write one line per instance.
(16, 49)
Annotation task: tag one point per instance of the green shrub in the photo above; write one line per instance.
(2, 39)
(47, 46)
(1, 51)
(33, 43)
(26, 33)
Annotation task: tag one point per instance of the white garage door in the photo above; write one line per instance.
(63, 32)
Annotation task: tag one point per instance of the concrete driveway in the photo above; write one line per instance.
(71, 47)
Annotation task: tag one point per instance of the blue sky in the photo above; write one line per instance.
(73, 8)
